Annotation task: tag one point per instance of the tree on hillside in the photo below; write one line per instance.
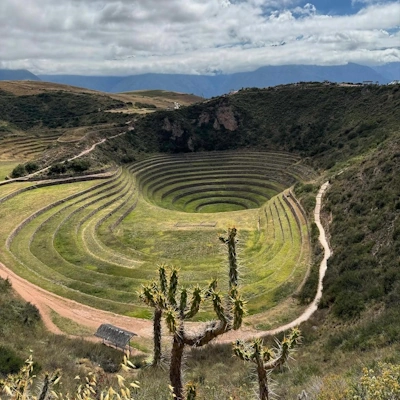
(266, 359)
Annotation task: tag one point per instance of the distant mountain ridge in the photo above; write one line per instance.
(17, 75)
(215, 85)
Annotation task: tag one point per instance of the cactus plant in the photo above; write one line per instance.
(177, 306)
(266, 359)
(156, 295)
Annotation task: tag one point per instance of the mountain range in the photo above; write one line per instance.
(215, 85)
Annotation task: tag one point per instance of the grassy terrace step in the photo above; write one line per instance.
(164, 172)
(205, 167)
(34, 246)
(28, 152)
(97, 245)
(22, 139)
(247, 197)
(24, 146)
(283, 264)
(30, 146)
(18, 209)
(271, 174)
(258, 188)
(104, 221)
(171, 180)
(215, 156)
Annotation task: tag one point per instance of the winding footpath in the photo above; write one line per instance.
(90, 317)
(81, 154)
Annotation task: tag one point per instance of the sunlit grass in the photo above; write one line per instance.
(102, 245)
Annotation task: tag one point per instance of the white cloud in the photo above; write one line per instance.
(189, 36)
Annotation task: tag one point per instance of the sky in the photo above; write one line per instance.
(126, 37)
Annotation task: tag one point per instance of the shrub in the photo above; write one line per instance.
(79, 165)
(5, 285)
(381, 383)
(348, 304)
(30, 314)
(31, 167)
(18, 171)
(58, 169)
(144, 105)
(10, 363)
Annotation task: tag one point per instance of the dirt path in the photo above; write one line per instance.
(81, 154)
(90, 317)
(84, 315)
(249, 334)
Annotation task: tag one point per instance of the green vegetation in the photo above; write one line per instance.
(56, 109)
(102, 239)
(144, 105)
(21, 330)
(70, 327)
(5, 168)
(326, 124)
(267, 359)
(208, 182)
(99, 244)
(364, 201)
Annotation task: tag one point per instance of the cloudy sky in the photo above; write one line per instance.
(120, 37)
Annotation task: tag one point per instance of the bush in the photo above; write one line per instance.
(144, 105)
(58, 169)
(79, 165)
(31, 167)
(18, 171)
(381, 383)
(348, 304)
(10, 363)
(30, 314)
(5, 285)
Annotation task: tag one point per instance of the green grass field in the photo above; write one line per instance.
(97, 242)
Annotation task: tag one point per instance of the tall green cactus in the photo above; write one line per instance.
(266, 359)
(156, 295)
(229, 309)
(230, 242)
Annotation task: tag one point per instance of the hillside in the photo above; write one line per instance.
(48, 122)
(351, 134)
(94, 229)
(326, 123)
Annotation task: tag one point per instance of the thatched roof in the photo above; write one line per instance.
(117, 336)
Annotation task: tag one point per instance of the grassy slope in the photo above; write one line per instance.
(356, 129)
(327, 124)
(21, 331)
(352, 133)
(339, 128)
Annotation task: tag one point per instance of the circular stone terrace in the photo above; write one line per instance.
(97, 241)
(219, 181)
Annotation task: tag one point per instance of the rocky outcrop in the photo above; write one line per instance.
(226, 117)
(175, 128)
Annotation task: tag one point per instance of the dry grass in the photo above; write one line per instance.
(23, 88)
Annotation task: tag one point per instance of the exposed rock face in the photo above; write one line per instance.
(226, 118)
(204, 118)
(223, 116)
(175, 128)
(190, 144)
(167, 125)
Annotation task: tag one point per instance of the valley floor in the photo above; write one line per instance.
(91, 318)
